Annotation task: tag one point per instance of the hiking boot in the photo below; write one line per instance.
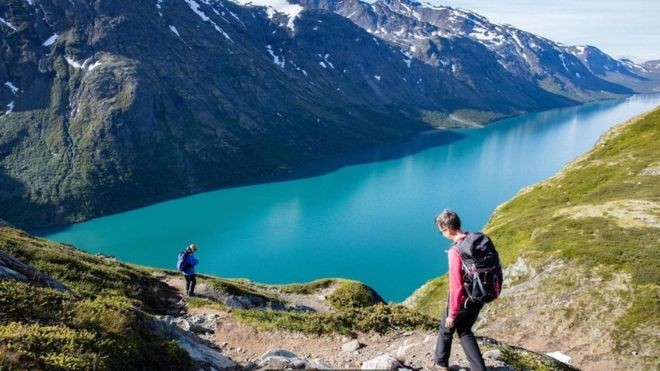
(436, 367)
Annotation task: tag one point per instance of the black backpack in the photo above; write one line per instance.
(482, 272)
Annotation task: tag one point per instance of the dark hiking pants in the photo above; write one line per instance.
(190, 284)
(463, 326)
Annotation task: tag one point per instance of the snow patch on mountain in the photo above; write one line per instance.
(633, 65)
(408, 59)
(195, 7)
(11, 87)
(159, 7)
(326, 60)
(276, 6)
(7, 24)
(563, 61)
(10, 108)
(173, 29)
(276, 58)
(298, 68)
(51, 40)
(87, 65)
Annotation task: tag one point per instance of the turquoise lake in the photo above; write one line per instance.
(366, 215)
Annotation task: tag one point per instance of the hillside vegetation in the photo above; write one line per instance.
(99, 325)
(583, 256)
(100, 314)
(103, 321)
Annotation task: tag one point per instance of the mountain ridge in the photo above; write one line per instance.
(112, 106)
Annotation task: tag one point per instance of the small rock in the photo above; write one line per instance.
(494, 355)
(197, 320)
(278, 353)
(351, 346)
(382, 362)
(183, 324)
(284, 359)
(561, 357)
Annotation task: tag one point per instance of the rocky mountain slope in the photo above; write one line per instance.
(443, 37)
(582, 255)
(109, 105)
(64, 309)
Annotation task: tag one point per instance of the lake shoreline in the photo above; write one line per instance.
(425, 139)
(353, 220)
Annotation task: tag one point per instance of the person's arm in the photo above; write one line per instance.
(193, 260)
(455, 283)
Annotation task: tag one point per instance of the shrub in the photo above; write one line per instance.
(352, 294)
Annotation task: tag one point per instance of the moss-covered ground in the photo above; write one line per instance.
(379, 318)
(356, 308)
(100, 325)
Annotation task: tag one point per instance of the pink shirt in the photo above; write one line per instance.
(456, 293)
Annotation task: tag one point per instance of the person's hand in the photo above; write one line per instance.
(449, 322)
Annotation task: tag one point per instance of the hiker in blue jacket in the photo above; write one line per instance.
(186, 264)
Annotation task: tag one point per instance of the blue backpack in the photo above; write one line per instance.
(183, 263)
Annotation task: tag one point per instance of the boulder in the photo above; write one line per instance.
(284, 359)
(203, 352)
(494, 360)
(196, 324)
(518, 270)
(382, 362)
(494, 355)
(351, 346)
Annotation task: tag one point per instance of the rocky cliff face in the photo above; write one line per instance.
(108, 105)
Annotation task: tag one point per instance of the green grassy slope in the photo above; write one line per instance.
(99, 326)
(599, 217)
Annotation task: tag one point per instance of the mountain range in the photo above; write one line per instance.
(112, 105)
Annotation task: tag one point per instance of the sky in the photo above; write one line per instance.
(620, 28)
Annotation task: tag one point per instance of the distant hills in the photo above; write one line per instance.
(108, 105)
